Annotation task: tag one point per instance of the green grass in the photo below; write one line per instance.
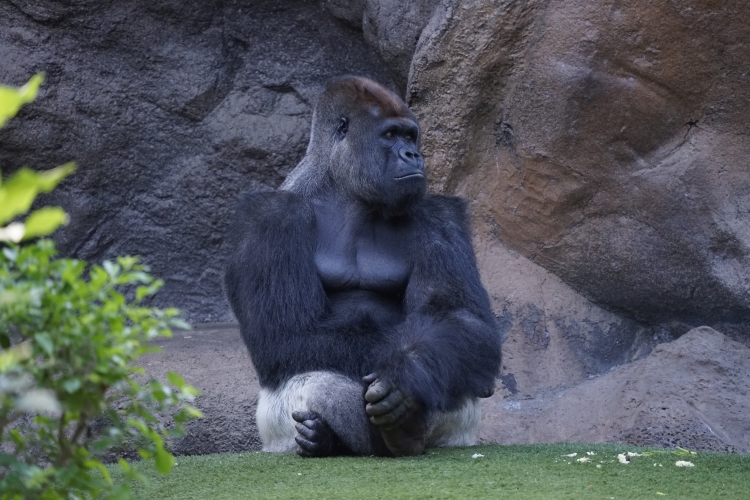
(526, 472)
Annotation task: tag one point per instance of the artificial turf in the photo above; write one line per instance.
(527, 472)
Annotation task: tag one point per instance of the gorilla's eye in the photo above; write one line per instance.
(343, 128)
(389, 134)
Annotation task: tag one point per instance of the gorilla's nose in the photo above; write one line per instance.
(411, 156)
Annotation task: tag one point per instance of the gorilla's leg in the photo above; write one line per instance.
(330, 417)
(459, 427)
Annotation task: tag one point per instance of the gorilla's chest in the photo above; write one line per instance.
(361, 253)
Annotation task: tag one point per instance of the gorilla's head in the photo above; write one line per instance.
(367, 141)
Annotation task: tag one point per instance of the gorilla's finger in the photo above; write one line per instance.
(369, 379)
(377, 391)
(301, 416)
(307, 448)
(305, 431)
(385, 405)
(392, 418)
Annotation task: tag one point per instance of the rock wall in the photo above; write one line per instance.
(171, 109)
(603, 146)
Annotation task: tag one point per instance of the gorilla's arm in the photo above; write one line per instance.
(276, 294)
(448, 346)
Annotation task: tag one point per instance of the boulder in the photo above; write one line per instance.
(606, 143)
(693, 393)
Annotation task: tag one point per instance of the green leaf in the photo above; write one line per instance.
(45, 342)
(194, 412)
(10, 357)
(181, 324)
(125, 466)
(175, 380)
(11, 99)
(19, 191)
(44, 221)
(164, 460)
(71, 385)
(96, 464)
(111, 268)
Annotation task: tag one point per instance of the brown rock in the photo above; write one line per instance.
(693, 392)
(605, 142)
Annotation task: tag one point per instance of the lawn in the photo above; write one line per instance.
(527, 472)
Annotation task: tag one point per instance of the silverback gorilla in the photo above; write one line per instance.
(358, 295)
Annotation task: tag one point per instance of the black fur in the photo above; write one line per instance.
(445, 346)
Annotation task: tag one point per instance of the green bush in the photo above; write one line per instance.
(69, 337)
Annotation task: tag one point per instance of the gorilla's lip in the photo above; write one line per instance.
(409, 176)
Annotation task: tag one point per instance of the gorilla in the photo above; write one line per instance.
(358, 294)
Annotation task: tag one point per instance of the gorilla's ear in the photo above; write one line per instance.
(342, 129)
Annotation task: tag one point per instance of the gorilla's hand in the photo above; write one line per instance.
(397, 414)
(388, 406)
(315, 437)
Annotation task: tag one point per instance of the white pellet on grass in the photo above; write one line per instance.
(682, 463)
(583, 459)
(477, 455)
(571, 455)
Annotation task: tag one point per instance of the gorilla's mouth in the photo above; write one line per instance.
(409, 176)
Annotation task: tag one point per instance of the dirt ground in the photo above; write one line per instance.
(692, 392)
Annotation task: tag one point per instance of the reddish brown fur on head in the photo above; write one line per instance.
(366, 94)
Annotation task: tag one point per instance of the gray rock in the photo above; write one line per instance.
(602, 147)
(170, 109)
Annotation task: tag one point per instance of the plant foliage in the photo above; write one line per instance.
(69, 337)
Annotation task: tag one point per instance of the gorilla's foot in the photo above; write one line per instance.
(315, 438)
(407, 439)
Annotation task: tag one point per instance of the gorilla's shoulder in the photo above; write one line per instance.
(446, 212)
(275, 206)
(269, 215)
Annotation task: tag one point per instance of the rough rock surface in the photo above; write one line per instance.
(606, 143)
(693, 392)
(170, 109)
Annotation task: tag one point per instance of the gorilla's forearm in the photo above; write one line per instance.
(448, 347)
(442, 360)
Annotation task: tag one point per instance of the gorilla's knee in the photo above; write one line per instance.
(335, 399)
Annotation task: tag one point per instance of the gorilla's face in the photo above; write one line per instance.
(380, 158)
